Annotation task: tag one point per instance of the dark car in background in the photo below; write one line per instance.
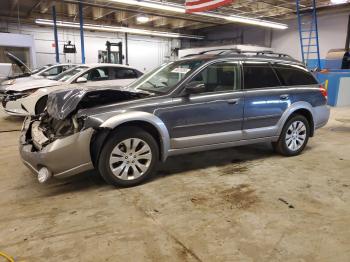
(202, 102)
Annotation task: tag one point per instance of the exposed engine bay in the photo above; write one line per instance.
(60, 118)
(61, 104)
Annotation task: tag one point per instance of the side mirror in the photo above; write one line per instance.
(81, 80)
(195, 88)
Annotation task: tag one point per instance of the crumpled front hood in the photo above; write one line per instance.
(62, 103)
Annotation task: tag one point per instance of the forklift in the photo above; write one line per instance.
(109, 56)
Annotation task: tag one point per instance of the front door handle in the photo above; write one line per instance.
(233, 101)
(284, 97)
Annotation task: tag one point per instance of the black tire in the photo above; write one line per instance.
(115, 139)
(281, 145)
(40, 105)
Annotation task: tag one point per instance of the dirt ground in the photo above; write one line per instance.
(238, 204)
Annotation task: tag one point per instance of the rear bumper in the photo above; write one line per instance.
(321, 115)
(63, 157)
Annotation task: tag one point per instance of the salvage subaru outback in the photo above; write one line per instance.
(206, 101)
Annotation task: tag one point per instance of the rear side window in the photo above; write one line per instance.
(123, 73)
(292, 75)
(259, 75)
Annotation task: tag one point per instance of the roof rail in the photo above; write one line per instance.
(223, 50)
(272, 53)
(226, 51)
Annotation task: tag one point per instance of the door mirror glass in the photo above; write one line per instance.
(81, 80)
(195, 87)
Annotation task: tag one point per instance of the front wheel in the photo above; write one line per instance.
(129, 157)
(294, 136)
(41, 105)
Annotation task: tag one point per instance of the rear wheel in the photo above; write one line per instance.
(294, 136)
(41, 105)
(129, 157)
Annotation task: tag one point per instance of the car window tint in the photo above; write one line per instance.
(291, 75)
(123, 73)
(97, 74)
(54, 71)
(259, 75)
(219, 77)
(66, 67)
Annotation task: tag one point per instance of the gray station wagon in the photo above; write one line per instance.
(207, 101)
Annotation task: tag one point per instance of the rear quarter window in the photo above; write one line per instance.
(259, 75)
(293, 75)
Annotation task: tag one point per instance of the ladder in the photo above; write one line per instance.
(308, 33)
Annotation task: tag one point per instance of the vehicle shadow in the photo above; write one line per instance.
(221, 157)
(176, 165)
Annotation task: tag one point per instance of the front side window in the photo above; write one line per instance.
(291, 75)
(164, 78)
(223, 76)
(259, 75)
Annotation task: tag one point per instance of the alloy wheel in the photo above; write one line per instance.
(296, 135)
(130, 159)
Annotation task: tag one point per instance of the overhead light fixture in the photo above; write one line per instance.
(337, 2)
(181, 9)
(251, 21)
(107, 28)
(142, 19)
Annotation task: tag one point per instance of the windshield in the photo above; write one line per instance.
(37, 70)
(166, 77)
(63, 77)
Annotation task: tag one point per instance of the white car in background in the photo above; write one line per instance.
(31, 99)
(29, 75)
(46, 71)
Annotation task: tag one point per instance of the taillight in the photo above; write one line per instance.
(323, 91)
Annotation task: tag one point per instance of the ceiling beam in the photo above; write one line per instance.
(147, 12)
(36, 5)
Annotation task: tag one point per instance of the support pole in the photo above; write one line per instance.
(126, 49)
(81, 21)
(55, 33)
(317, 42)
(299, 29)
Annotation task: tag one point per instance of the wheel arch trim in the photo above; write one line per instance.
(149, 118)
(290, 110)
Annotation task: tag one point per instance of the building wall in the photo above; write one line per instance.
(231, 34)
(19, 40)
(332, 33)
(144, 52)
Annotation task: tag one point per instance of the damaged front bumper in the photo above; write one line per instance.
(63, 157)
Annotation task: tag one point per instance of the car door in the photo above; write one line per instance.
(213, 116)
(98, 74)
(265, 99)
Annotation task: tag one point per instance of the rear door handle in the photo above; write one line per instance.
(284, 97)
(233, 101)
